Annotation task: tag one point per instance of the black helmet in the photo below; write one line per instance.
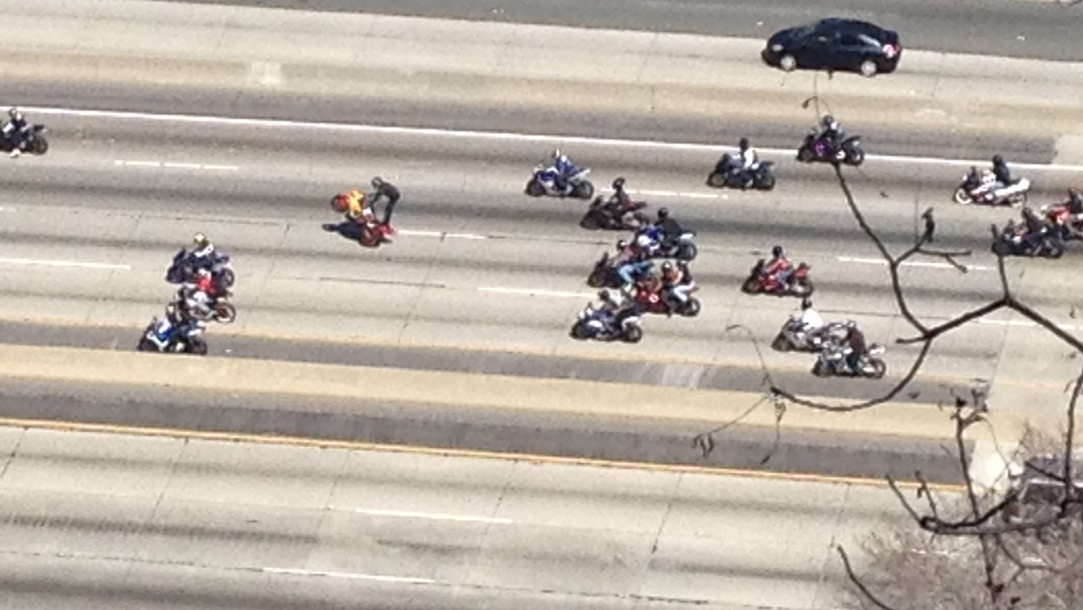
(377, 182)
(667, 267)
(618, 183)
(806, 303)
(743, 143)
(776, 251)
(603, 294)
(622, 244)
(998, 159)
(829, 122)
(663, 213)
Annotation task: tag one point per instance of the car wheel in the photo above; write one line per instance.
(868, 68)
(787, 63)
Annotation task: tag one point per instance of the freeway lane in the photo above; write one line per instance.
(79, 207)
(1016, 28)
(113, 521)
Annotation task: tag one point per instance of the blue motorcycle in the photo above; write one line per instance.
(183, 270)
(544, 183)
(163, 336)
(591, 325)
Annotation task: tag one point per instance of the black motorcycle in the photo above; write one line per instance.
(603, 215)
(182, 270)
(729, 173)
(1007, 242)
(604, 274)
(32, 139)
(817, 149)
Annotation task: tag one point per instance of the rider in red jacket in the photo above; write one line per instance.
(780, 267)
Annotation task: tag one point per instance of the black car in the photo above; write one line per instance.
(835, 44)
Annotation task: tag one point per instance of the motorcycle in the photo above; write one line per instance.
(800, 284)
(368, 231)
(793, 337)
(683, 248)
(1069, 225)
(589, 325)
(1010, 243)
(649, 296)
(600, 215)
(816, 149)
(981, 188)
(218, 309)
(604, 274)
(162, 336)
(33, 138)
(831, 362)
(544, 182)
(181, 270)
(727, 172)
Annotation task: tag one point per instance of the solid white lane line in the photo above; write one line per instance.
(441, 234)
(880, 261)
(680, 194)
(467, 235)
(51, 263)
(172, 165)
(487, 135)
(532, 292)
(405, 514)
(350, 575)
(7, 209)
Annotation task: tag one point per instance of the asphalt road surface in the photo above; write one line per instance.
(107, 521)
(1043, 29)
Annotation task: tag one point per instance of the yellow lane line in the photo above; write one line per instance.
(299, 441)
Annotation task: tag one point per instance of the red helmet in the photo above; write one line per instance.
(338, 203)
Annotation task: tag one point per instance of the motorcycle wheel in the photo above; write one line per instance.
(767, 183)
(578, 332)
(781, 343)
(878, 368)
(589, 223)
(225, 313)
(146, 345)
(716, 180)
(1000, 248)
(632, 334)
(804, 155)
(226, 277)
(751, 286)
(1053, 252)
(961, 196)
(369, 238)
(534, 189)
(597, 278)
(584, 190)
(691, 309)
(802, 289)
(41, 146)
(687, 252)
(819, 370)
(856, 157)
(197, 347)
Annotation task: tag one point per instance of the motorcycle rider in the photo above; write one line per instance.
(809, 322)
(670, 230)
(676, 284)
(631, 261)
(831, 133)
(200, 295)
(855, 341)
(1001, 173)
(614, 309)
(1074, 204)
(202, 254)
(1036, 228)
(780, 267)
(746, 156)
(619, 202)
(14, 131)
(384, 190)
(565, 169)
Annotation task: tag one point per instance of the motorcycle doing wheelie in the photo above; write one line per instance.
(729, 172)
(817, 149)
(163, 336)
(800, 283)
(592, 324)
(983, 188)
(831, 362)
(543, 182)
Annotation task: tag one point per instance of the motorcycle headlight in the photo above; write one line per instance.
(777, 48)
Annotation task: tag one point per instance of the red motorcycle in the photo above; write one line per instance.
(649, 296)
(1059, 216)
(368, 231)
(800, 284)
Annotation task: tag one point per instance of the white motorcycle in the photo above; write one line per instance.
(793, 336)
(831, 362)
(544, 183)
(984, 189)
